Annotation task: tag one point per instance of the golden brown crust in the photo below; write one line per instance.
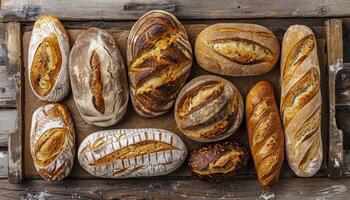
(160, 59)
(265, 133)
(208, 108)
(237, 49)
(219, 160)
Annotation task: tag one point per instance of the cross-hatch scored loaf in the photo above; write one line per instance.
(301, 100)
(265, 133)
(208, 108)
(160, 58)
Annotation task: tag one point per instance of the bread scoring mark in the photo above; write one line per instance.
(50, 145)
(133, 151)
(46, 65)
(299, 95)
(267, 167)
(96, 83)
(310, 154)
(268, 146)
(58, 112)
(197, 97)
(256, 33)
(297, 56)
(261, 130)
(241, 51)
(53, 175)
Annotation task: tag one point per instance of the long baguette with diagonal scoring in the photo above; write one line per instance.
(127, 153)
(301, 100)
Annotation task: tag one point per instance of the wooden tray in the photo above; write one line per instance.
(27, 102)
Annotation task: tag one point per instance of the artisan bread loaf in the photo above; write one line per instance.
(234, 49)
(159, 58)
(98, 78)
(52, 141)
(217, 161)
(48, 60)
(301, 100)
(265, 133)
(126, 153)
(208, 108)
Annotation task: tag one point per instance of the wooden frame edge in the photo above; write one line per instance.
(335, 63)
(14, 62)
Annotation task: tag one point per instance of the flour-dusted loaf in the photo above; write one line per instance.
(98, 78)
(217, 161)
(209, 108)
(265, 132)
(301, 100)
(159, 59)
(235, 49)
(52, 141)
(48, 60)
(126, 153)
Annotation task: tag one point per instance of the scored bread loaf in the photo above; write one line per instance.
(48, 60)
(98, 78)
(235, 49)
(159, 59)
(52, 141)
(301, 100)
(265, 133)
(126, 153)
(208, 108)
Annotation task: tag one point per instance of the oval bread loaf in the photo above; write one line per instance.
(52, 141)
(234, 49)
(127, 153)
(301, 100)
(208, 108)
(265, 133)
(216, 161)
(159, 58)
(98, 78)
(48, 60)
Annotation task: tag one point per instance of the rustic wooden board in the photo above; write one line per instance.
(132, 120)
(7, 124)
(28, 10)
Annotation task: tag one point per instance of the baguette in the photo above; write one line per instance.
(301, 100)
(265, 133)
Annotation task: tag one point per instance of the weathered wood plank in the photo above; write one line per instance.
(14, 62)
(296, 188)
(28, 10)
(335, 63)
(7, 124)
(3, 163)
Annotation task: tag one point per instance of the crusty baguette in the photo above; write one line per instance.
(265, 133)
(126, 153)
(209, 108)
(235, 49)
(159, 59)
(52, 141)
(301, 100)
(98, 78)
(48, 60)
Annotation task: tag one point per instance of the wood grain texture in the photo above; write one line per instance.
(14, 62)
(313, 188)
(3, 163)
(335, 63)
(28, 10)
(132, 120)
(7, 124)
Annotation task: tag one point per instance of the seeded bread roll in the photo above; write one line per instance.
(52, 141)
(98, 78)
(127, 153)
(48, 60)
(208, 108)
(159, 58)
(234, 49)
(301, 100)
(265, 133)
(216, 161)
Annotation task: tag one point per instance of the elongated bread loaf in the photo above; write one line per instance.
(98, 78)
(265, 133)
(52, 141)
(48, 60)
(127, 153)
(301, 100)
